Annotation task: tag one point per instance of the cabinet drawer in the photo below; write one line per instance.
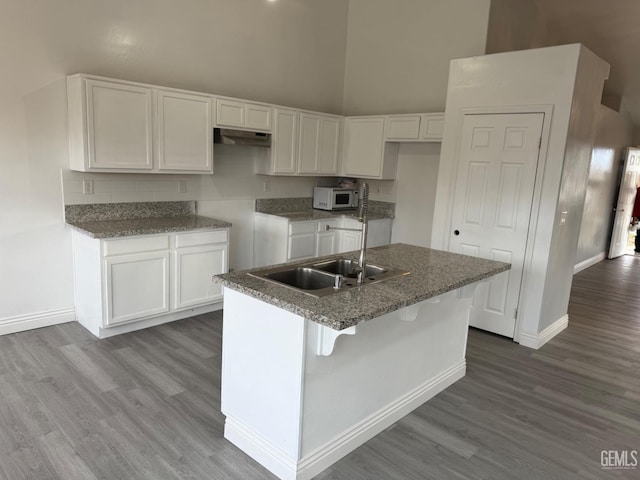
(201, 238)
(302, 227)
(135, 245)
(322, 226)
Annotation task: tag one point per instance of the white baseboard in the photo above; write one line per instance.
(536, 340)
(589, 262)
(312, 464)
(134, 325)
(21, 323)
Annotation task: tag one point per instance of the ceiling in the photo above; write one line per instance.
(611, 29)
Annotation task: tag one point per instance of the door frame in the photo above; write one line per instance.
(547, 111)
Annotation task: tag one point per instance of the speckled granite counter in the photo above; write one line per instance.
(300, 209)
(146, 226)
(141, 218)
(433, 272)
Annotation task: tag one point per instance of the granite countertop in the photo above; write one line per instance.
(433, 272)
(300, 209)
(312, 214)
(145, 226)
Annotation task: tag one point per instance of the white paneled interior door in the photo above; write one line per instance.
(624, 204)
(492, 209)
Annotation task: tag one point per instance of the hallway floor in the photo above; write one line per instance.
(146, 405)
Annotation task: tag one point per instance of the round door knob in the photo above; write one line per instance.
(456, 232)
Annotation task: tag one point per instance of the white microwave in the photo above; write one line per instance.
(329, 198)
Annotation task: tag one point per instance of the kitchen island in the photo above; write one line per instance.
(306, 380)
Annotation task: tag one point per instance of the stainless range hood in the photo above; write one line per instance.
(228, 136)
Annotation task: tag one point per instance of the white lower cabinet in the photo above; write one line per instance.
(301, 240)
(136, 286)
(277, 240)
(327, 241)
(193, 270)
(124, 284)
(350, 241)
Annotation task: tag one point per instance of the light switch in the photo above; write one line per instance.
(563, 217)
(182, 186)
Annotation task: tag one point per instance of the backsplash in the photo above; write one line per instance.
(122, 211)
(122, 187)
(283, 205)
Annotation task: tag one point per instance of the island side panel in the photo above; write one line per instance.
(389, 367)
(262, 369)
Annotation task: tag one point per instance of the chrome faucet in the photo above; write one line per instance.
(362, 218)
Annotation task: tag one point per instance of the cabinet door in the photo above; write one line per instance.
(326, 242)
(302, 246)
(194, 268)
(185, 131)
(432, 127)
(308, 143)
(403, 127)
(258, 117)
(364, 146)
(302, 240)
(284, 141)
(119, 126)
(350, 241)
(230, 113)
(328, 146)
(137, 286)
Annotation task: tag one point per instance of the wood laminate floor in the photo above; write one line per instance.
(146, 405)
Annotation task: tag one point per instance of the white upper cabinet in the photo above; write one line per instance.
(431, 127)
(366, 154)
(116, 126)
(243, 115)
(185, 131)
(284, 142)
(303, 143)
(403, 128)
(318, 144)
(119, 126)
(426, 127)
(329, 145)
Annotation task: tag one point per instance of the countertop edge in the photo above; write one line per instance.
(320, 215)
(212, 224)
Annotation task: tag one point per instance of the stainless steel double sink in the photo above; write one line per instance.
(319, 278)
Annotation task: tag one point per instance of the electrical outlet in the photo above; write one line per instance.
(87, 187)
(266, 186)
(182, 186)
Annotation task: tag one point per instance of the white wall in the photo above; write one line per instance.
(515, 25)
(398, 52)
(585, 103)
(416, 193)
(290, 52)
(533, 79)
(613, 134)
